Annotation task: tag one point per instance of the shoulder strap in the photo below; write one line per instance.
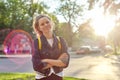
(40, 45)
(59, 43)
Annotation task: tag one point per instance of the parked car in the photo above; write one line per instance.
(95, 50)
(83, 50)
(108, 48)
(88, 49)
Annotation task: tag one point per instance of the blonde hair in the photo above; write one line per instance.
(36, 24)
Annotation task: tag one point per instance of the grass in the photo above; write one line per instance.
(71, 78)
(16, 76)
(111, 54)
(26, 76)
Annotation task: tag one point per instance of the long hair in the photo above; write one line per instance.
(36, 24)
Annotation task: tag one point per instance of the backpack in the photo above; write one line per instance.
(40, 45)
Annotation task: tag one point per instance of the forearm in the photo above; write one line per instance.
(57, 62)
(60, 62)
(64, 58)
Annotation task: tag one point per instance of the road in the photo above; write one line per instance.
(94, 67)
(88, 66)
(16, 64)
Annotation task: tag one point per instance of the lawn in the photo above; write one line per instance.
(26, 76)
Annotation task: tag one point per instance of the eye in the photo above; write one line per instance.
(47, 22)
(42, 24)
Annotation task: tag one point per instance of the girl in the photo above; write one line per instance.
(50, 53)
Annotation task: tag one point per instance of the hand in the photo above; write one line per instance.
(45, 60)
(48, 66)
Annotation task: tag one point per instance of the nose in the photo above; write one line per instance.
(46, 24)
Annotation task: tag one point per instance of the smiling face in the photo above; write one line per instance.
(45, 25)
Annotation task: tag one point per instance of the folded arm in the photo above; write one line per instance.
(62, 61)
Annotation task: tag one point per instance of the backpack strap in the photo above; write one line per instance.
(40, 45)
(59, 43)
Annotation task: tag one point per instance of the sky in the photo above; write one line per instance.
(53, 4)
(102, 24)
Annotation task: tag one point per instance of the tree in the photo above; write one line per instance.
(62, 30)
(70, 10)
(112, 8)
(114, 37)
(91, 3)
(18, 14)
(3, 34)
(86, 32)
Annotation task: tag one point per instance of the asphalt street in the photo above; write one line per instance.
(93, 66)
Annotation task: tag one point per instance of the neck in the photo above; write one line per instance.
(48, 35)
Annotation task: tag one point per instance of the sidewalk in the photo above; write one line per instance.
(13, 56)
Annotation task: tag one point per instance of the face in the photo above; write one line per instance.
(45, 25)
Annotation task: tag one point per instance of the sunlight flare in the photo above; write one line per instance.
(102, 24)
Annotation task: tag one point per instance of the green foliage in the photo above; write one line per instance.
(16, 76)
(26, 76)
(71, 78)
(3, 34)
(18, 14)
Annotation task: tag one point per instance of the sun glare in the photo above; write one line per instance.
(101, 23)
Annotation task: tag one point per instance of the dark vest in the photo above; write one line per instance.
(48, 52)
